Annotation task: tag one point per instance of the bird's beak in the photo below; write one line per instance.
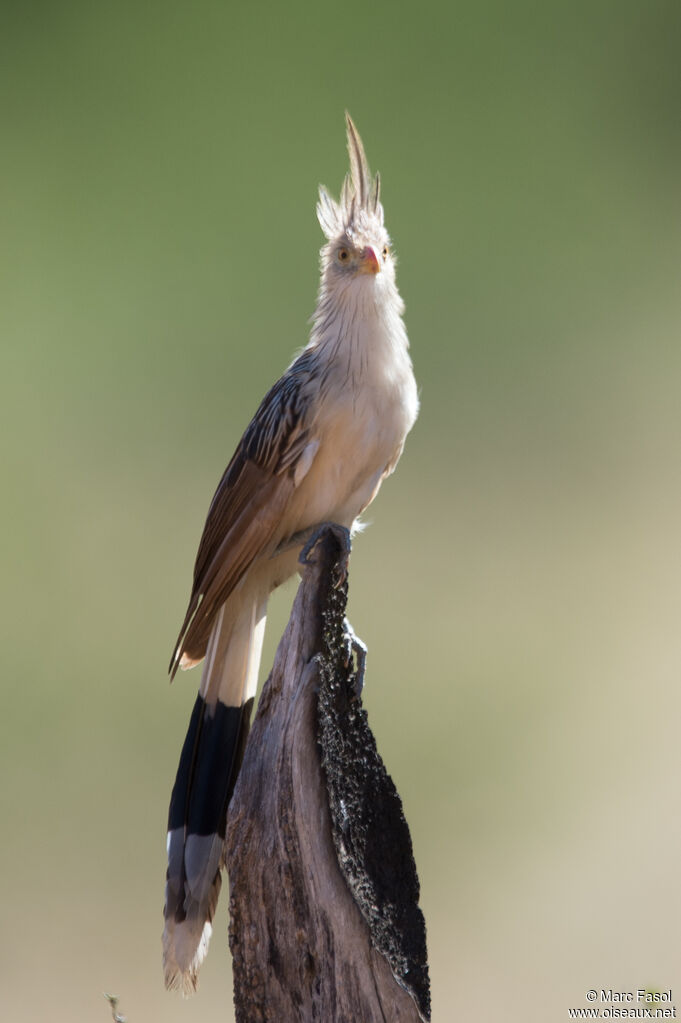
(369, 263)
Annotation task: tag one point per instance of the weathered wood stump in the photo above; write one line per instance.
(325, 923)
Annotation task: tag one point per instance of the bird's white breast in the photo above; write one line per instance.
(369, 407)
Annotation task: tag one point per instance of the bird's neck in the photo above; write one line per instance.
(360, 323)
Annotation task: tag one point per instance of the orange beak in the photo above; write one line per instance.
(369, 263)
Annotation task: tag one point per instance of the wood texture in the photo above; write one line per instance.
(308, 941)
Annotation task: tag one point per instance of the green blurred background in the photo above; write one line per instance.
(519, 587)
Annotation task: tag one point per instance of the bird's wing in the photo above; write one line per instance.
(245, 515)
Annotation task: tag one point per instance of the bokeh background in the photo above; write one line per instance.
(519, 587)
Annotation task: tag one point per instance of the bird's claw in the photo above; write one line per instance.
(342, 535)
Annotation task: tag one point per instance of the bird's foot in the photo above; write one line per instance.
(311, 537)
(359, 649)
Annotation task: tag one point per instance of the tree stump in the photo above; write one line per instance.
(325, 923)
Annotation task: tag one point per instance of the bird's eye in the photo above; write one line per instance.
(386, 251)
(343, 255)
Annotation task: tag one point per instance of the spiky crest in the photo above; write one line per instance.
(360, 198)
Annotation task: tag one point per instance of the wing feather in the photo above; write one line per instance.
(245, 515)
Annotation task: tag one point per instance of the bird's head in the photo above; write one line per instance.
(357, 250)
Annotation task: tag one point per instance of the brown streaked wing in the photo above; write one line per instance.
(248, 505)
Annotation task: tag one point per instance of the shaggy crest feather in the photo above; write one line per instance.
(360, 199)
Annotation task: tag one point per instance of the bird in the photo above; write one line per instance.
(322, 441)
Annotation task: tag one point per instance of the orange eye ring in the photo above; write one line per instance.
(343, 255)
(386, 251)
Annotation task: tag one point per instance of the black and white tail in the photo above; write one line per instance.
(209, 764)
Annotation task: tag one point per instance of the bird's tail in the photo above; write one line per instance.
(209, 764)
